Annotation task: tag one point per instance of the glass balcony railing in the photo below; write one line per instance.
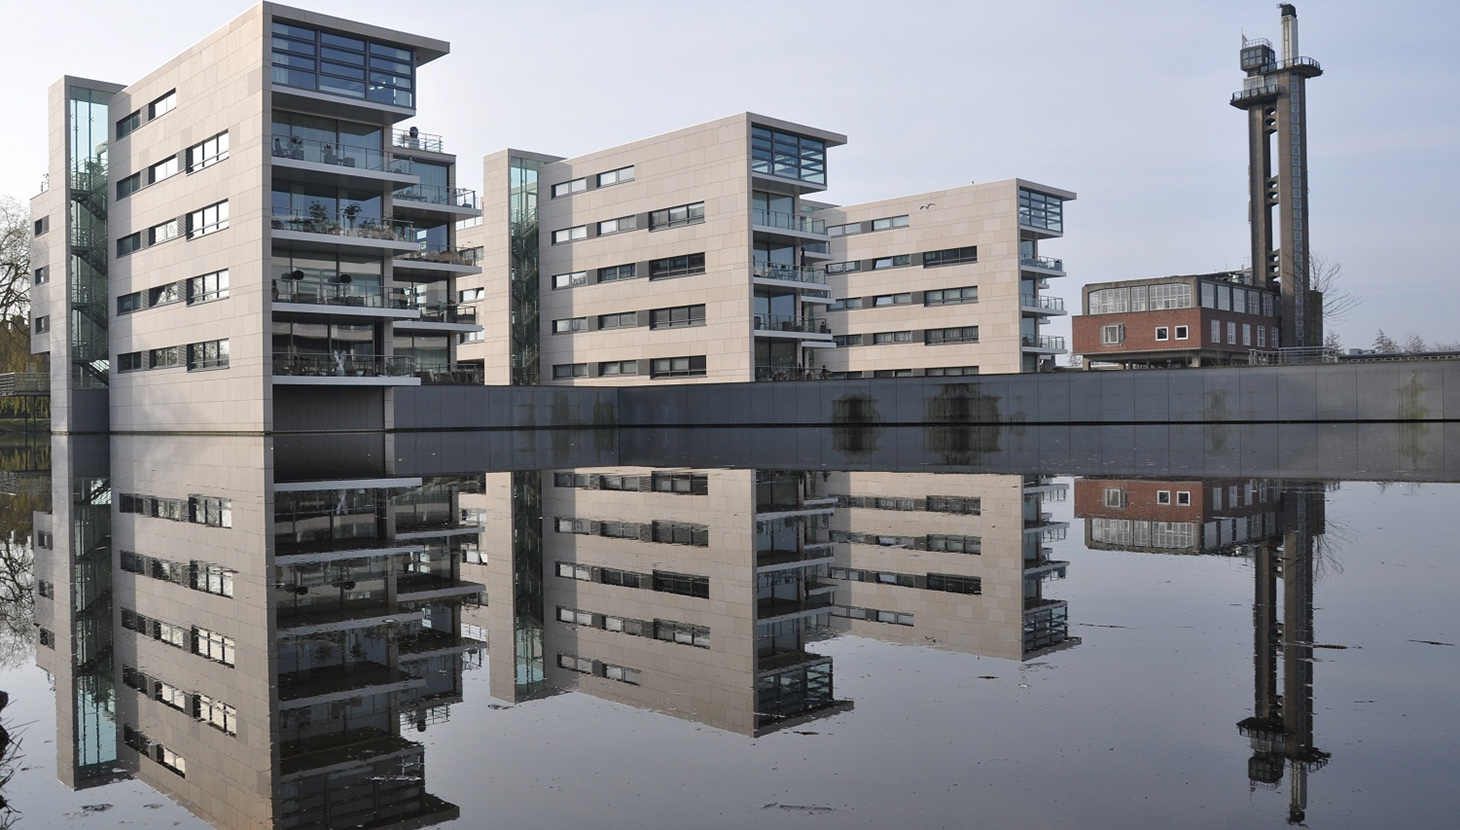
(447, 313)
(1042, 341)
(790, 323)
(339, 364)
(776, 373)
(445, 254)
(343, 224)
(437, 195)
(789, 273)
(414, 139)
(1254, 92)
(311, 292)
(1043, 262)
(324, 152)
(787, 221)
(445, 373)
(1046, 303)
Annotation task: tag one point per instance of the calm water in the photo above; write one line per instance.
(530, 632)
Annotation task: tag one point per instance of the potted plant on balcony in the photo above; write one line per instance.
(318, 216)
(350, 212)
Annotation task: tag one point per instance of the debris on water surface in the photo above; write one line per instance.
(1430, 643)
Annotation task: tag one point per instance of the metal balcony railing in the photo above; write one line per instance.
(438, 195)
(1254, 92)
(787, 221)
(325, 152)
(342, 224)
(338, 364)
(414, 139)
(336, 293)
(447, 313)
(789, 273)
(1042, 341)
(1046, 303)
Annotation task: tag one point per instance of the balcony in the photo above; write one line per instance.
(792, 222)
(789, 324)
(325, 162)
(445, 373)
(1241, 98)
(778, 373)
(1056, 267)
(435, 261)
(414, 139)
(460, 313)
(307, 226)
(375, 370)
(340, 294)
(436, 200)
(787, 273)
(1042, 343)
(1041, 305)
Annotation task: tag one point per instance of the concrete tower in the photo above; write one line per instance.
(1275, 98)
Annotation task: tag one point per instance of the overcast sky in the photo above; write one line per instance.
(1128, 108)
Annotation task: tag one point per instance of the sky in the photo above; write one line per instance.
(1129, 109)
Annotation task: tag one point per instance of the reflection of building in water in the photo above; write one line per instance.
(1188, 516)
(270, 642)
(693, 593)
(958, 560)
(1281, 727)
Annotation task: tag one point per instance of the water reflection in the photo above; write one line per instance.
(265, 645)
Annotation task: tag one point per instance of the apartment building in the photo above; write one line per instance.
(253, 649)
(248, 232)
(700, 256)
(944, 284)
(1191, 320)
(1195, 516)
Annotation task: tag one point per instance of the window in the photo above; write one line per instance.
(617, 272)
(682, 483)
(1163, 333)
(41, 325)
(965, 505)
(950, 256)
(676, 317)
(164, 169)
(1272, 337)
(470, 295)
(570, 370)
(131, 184)
(214, 646)
(1163, 497)
(892, 261)
(42, 275)
(1041, 210)
(625, 223)
(844, 230)
(206, 153)
(788, 155)
(570, 234)
(1138, 295)
(129, 244)
(892, 299)
(843, 267)
(847, 339)
(676, 216)
(667, 367)
(568, 325)
(163, 232)
(129, 123)
(1170, 295)
(570, 280)
(685, 584)
(162, 106)
(130, 362)
(957, 334)
(883, 337)
(678, 266)
(568, 188)
(889, 223)
(1182, 332)
(1183, 498)
(218, 714)
(682, 633)
(212, 354)
(622, 320)
(954, 584)
(1216, 331)
(342, 66)
(208, 287)
(210, 510)
(951, 296)
(618, 367)
(209, 219)
(623, 174)
(951, 371)
(955, 544)
(1112, 335)
(1115, 497)
(1262, 337)
(1247, 334)
(164, 358)
(681, 533)
(1232, 333)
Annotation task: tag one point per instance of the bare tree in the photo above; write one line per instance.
(15, 239)
(1414, 343)
(1324, 275)
(1331, 340)
(1384, 344)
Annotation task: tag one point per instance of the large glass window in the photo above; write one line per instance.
(1041, 210)
(340, 65)
(788, 155)
(1170, 295)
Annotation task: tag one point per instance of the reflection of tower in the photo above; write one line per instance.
(1281, 728)
(1275, 98)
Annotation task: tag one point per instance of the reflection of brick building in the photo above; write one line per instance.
(1183, 320)
(1194, 516)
